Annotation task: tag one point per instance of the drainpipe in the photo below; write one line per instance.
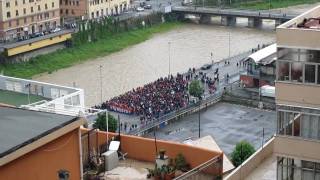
(80, 150)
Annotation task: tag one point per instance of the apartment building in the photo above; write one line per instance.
(297, 93)
(91, 9)
(294, 152)
(21, 18)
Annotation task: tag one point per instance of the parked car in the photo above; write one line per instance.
(148, 6)
(56, 30)
(140, 9)
(206, 67)
(37, 34)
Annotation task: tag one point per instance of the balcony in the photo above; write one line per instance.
(290, 34)
(141, 153)
(263, 163)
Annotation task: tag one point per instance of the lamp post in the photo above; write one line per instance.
(211, 57)
(169, 48)
(229, 43)
(100, 70)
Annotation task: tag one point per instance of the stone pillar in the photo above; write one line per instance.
(254, 22)
(224, 21)
(205, 19)
(231, 20)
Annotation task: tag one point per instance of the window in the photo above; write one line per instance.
(16, 3)
(30, 1)
(18, 22)
(53, 13)
(31, 9)
(310, 73)
(17, 13)
(296, 72)
(45, 6)
(25, 20)
(283, 71)
(8, 14)
(24, 11)
(23, 1)
(39, 8)
(7, 4)
(77, 3)
(67, 11)
(32, 18)
(10, 24)
(52, 4)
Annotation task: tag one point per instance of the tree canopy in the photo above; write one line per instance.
(101, 124)
(195, 89)
(242, 151)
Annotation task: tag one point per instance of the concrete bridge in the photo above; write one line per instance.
(229, 16)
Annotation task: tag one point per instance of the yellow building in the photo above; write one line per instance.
(21, 18)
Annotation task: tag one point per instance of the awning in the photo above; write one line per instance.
(265, 56)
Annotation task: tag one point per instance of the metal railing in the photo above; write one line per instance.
(180, 112)
(199, 172)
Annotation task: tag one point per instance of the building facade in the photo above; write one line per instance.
(297, 94)
(19, 19)
(91, 9)
(293, 153)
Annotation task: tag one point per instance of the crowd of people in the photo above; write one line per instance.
(152, 100)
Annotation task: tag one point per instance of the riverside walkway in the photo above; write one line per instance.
(226, 66)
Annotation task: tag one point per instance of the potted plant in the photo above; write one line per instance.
(157, 173)
(150, 173)
(162, 152)
(181, 164)
(170, 173)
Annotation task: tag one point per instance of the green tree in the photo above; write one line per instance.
(242, 151)
(101, 124)
(195, 89)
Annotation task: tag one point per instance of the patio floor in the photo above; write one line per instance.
(129, 169)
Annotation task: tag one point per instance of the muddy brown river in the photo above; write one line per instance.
(190, 46)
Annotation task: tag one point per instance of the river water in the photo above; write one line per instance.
(190, 46)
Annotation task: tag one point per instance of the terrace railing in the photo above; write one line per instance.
(208, 170)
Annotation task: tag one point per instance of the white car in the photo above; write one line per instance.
(140, 9)
(55, 30)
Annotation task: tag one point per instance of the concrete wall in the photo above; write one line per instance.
(297, 94)
(287, 146)
(252, 162)
(46, 161)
